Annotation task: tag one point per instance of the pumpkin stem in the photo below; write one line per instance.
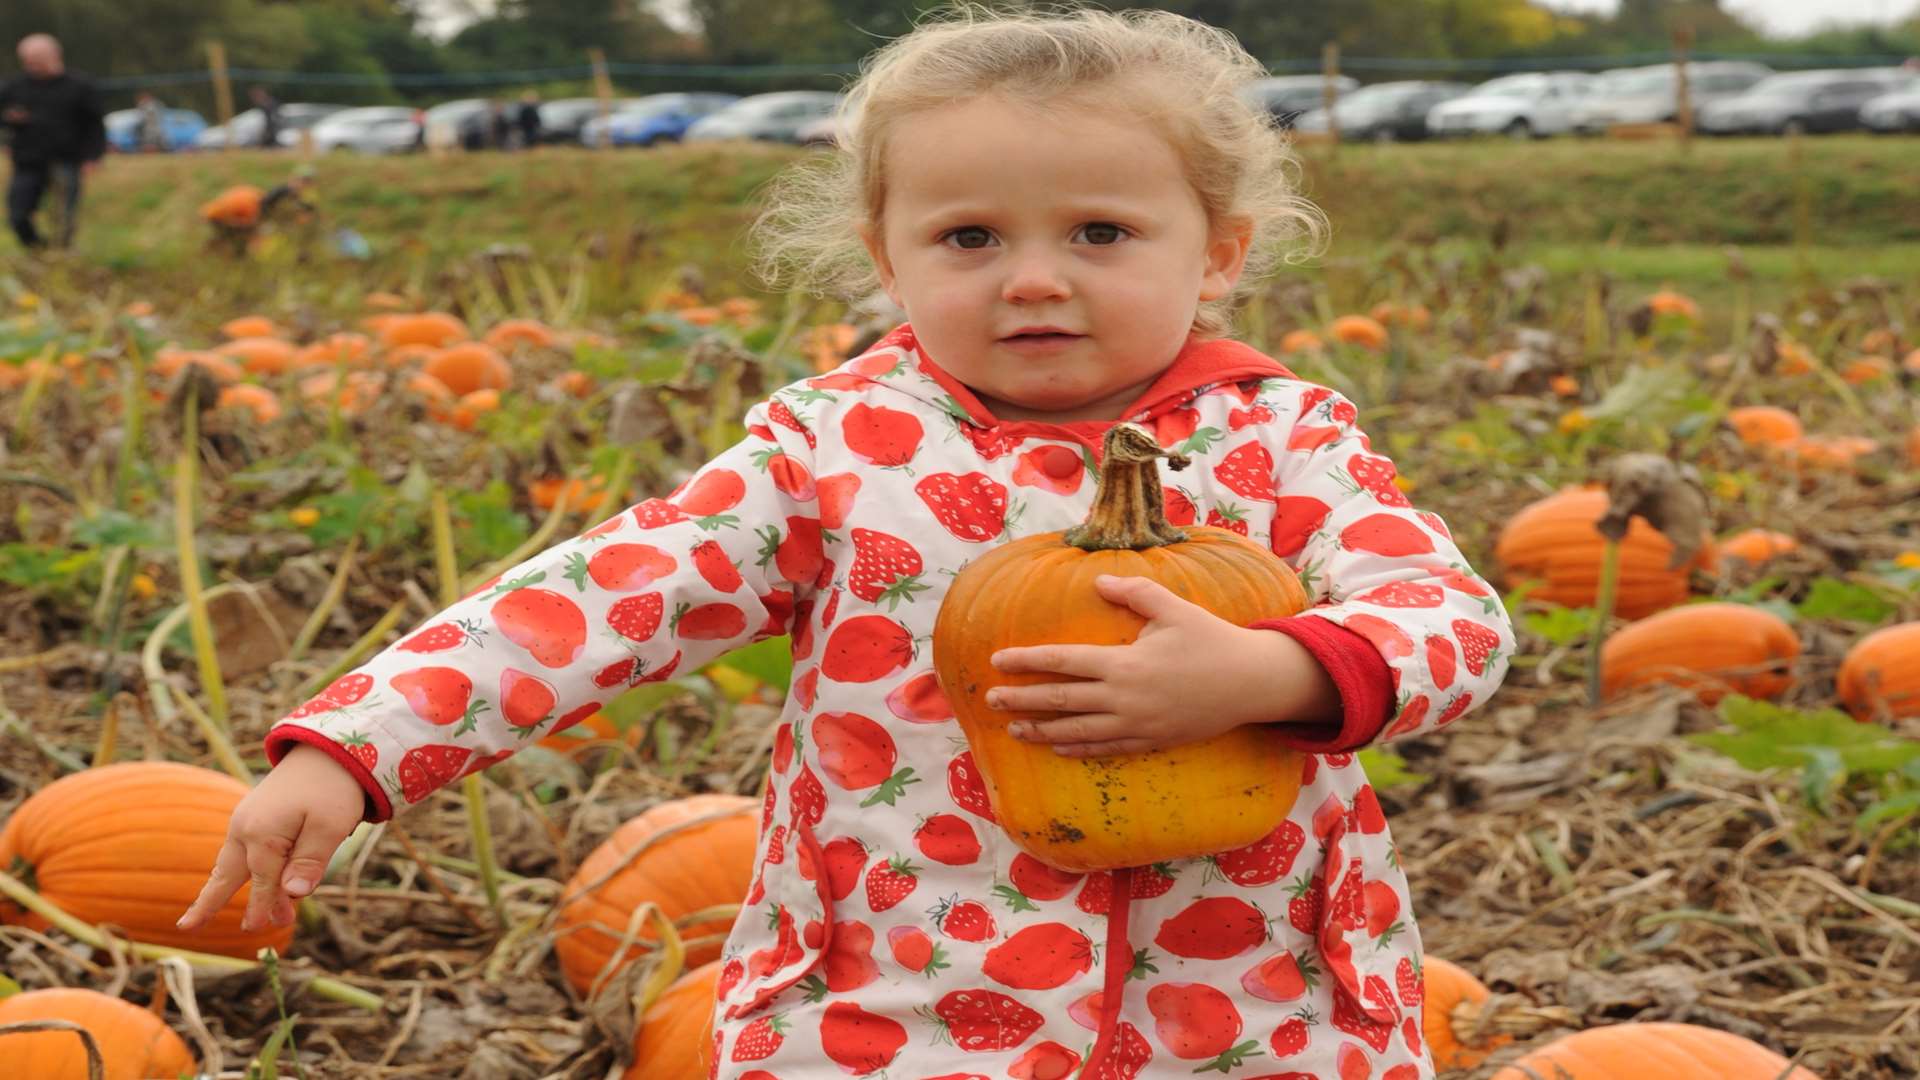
(1128, 512)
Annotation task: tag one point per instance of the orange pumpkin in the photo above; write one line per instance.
(471, 407)
(1447, 985)
(1880, 675)
(1831, 452)
(1411, 316)
(1554, 542)
(386, 301)
(675, 1038)
(545, 492)
(1764, 425)
(1299, 341)
(1669, 302)
(261, 355)
(683, 856)
(1361, 330)
(1865, 369)
(1710, 648)
(1757, 545)
(577, 384)
(342, 348)
(470, 366)
(117, 844)
(403, 355)
(263, 403)
(250, 326)
(1104, 813)
(134, 1044)
(506, 335)
(1653, 1051)
(169, 361)
(238, 207)
(354, 396)
(436, 328)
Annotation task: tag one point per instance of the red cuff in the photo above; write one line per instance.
(1358, 671)
(285, 737)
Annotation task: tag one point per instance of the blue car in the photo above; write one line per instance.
(654, 119)
(179, 127)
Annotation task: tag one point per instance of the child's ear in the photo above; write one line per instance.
(877, 251)
(1226, 258)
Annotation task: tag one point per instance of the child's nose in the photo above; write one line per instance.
(1034, 277)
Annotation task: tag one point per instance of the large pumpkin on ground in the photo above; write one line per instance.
(675, 1037)
(130, 845)
(1554, 542)
(1447, 985)
(134, 1044)
(1130, 810)
(1711, 648)
(1655, 1051)
(1880, 676)
(684, 856)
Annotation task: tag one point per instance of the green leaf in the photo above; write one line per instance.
(1834, 599)
(415, 488)
(770, 661)
(489, 527)
(1829, 741)
(1901, 805)
(266, 1065)
(110, 528)
(1824, 773)
(30, 566)
(8, 987)
(1642, 389)
(1559, 625)
(1387, 769)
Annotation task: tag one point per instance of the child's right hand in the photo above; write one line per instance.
(280, 838)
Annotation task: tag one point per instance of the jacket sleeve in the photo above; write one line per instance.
(659, 588)
(93, 123)
(1384, 571)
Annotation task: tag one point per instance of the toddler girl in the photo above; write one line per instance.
(1064, 205)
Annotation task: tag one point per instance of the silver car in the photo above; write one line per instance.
(774, 117)
(1648, 95)
(246, 128)
(1897, 111)
(1528, 105)
(378, 129)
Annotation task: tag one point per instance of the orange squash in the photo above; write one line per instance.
(1103, 813)
(675, 1038)
(470, 366)
(1712, 649)
(1301, 341)
(1757, 545)
(261, 355)
(1362, 330)
(1447, 985)
(250, 326)
(1834, 453)
(1411, 316)
(471, 407)
(507, 335)
(134, 1044)
(1880, 675)
(684, 856)
(436, 328)
(127, 845)
(1865, 369)
(1653, 1051)
(1554, 542)
(1764, 425)
(1669, 302)
(263, 403)
(169, 361)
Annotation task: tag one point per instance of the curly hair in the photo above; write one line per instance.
(1181, 75)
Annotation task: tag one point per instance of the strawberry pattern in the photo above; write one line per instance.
(892, 927)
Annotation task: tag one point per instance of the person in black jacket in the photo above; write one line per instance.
(55, 122)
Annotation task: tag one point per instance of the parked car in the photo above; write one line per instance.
(562, 120)
(653, 119)
(246, 128)
(1647, 95)
(1801, 101)
(777, 117)
(1528, 105)
(826, 131)
(377, 129)
(1895, 111)
(178, 129)
(1383, 112)
(1286, 97)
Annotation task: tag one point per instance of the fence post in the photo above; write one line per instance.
(602, 87)
(222, 90)
(1329, 89)
(1683, 98)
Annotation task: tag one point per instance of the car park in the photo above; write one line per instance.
(179, 127)
(1527, 105)
(1286, 97)
(775, 117)
(1383, 112)
(653, 119)
(245, 129)
(1896, 111)
(1650, 95)
(377, 129)
(1808, 102)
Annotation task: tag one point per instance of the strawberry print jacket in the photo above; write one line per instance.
(892, 929)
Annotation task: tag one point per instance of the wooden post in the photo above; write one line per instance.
(602, 86)
(1683, 100)
(1330, 90)
(222, 89)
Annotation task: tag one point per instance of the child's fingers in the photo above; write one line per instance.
(1069, 730)
(1061, 697)
(319, 837)
(229, 873)
(267, 905)
(1111, 748)
(1084, 661)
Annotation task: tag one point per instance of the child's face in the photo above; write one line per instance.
(1001, 217)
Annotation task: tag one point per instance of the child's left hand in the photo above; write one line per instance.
(1189, 676)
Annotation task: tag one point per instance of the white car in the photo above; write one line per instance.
(378, 129)
(1896, 111)
(1528, 105)
(1648, 95)
(246, 128)
(775, 117)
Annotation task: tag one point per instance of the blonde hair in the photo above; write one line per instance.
(1183, 75)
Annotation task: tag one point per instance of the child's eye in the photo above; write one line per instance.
(968, 237)
(1103, 233)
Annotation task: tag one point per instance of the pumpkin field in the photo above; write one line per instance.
(1670, 411)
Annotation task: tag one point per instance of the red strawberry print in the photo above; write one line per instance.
(885, 567)
(859, 1041)
(1052, 467)
(1440, 660)
(342, 692)
(1410, 982)
(981, 1020)
(1342, 412)
(1284, 976)
(835, 495)
(618, 673)
(1147, 882)
(963, 920)
(846, 857)
(1306, 438)
(1347, 908)
(947, 838)
(784, 951)
(1046, 1061)
(1453, 710)
(1433, 522)
(1375, 475)
(972, 507)
(782, 748)
(656, 514)
(612, 524)
(875, 365)
(1130, 1053)
(1353, 1064)
(637, 618)
(1383, 909)
(718, 621)
(806, 686)
(1291, 1037)
(809, 799)
(880, 436)
(1411, 1035)
(1177, 505)
(715, 568)
(1404, 594)
(730, 975)
(920, 700)
(526, 700)
(789, 476)
(363, 751)
(1264, 861)
(1462, 581)
(1295, 519)
(440, 637)
(1367, 817)
(1303, 911)
(992, 444)
(780, 413)
(1035, 880)
(1479, 644)
(1213, 928)
(1313, 397)
(424, 769)
(1349, 1017)
(798, 554)
(550, 627)
(1039, 957)
(915, 951)
(1328, 816)
(1232, 518)
(856, 753)
(1386, 534)
(848, 963)
(1247, 472)
(1412, 713)
(889, 882)
(1239, 418)
(761, 1039)
(439, 695)
(1386, 636)
(969, 792)
(710, 496)
(1198, 1023)
(482, 762)
(621, 567)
